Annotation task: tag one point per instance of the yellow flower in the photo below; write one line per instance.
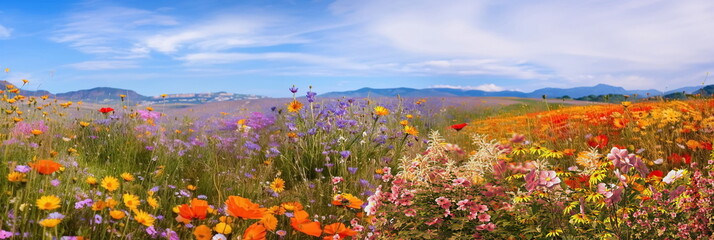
(116, 214)
(554, 233)
(191, 187)
(626, 103)
(164, 95)
(149, 109)
(50, 202)
(404, 122)
(294, 106)
(411, 130)
(127, 177)
(409, 116)
(83, 124)
(223, 228)
(143, 218)
(91, 180)
(50, 222)
(579, 219)
(381, 111)
(278, 185)
(110, 183)
(152, 202)
(16, 177)
(131, 201)
(36, 132)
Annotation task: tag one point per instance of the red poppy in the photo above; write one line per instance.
(578, 181)
(599, 141)
(459, 126)
(106, 110)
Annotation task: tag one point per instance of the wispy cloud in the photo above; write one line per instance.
(104, 65)
(4, 32)
(110, 30)
(600, 38)
(490, 87)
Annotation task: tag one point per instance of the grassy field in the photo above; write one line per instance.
(310, 168)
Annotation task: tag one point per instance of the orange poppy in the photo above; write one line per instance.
(338, 229)
(302, 223)
(46, 166)
(347, 200)
(244, 208)
(198, 209)
(255, 232)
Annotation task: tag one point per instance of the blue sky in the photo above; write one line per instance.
(263, 47)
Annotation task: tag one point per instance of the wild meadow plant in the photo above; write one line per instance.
(353, 168)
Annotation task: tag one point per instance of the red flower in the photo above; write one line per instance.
(458, 127)
(106, 110)
(655, 173)
(677, 159)
(46, 167)
(598, 141)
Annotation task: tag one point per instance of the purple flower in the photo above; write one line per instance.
(154, 189)
(293, 89)
(352, 170)
(311, 96)
(319, 170)
(22, 168)
(5, 234)
(55, 182)
(345, 154)
(98, 219)
(151, 230)
(55, 215)
(83, 203)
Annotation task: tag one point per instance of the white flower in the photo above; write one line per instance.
(673, 175)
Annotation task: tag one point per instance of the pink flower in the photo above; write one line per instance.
(484, 217)
(548, 178)
(443, 202)
(461, 182)
(481, 208)
(336, 180)
(410, 212)
(463, 204)
(434, 221)
(487, 227)
(531, 181)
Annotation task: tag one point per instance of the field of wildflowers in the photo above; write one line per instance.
(356, 169)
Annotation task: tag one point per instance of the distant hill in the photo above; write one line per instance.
(702, 91)
(576, 92)
(102, 94)
(109, 95)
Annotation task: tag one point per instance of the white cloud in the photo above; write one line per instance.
(5, 32)
(564, 38)
(223, 58)
(110, 31)
(224, 32)
(104, 65)
(490, 87)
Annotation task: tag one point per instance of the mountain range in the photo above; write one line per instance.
(107, 94)
(576, 92)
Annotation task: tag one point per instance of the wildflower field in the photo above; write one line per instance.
(313, 168)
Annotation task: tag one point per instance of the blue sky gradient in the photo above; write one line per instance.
(263, 47)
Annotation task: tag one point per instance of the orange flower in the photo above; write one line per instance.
(338, 229)
(202, 232)
(269, 222)
(302, 223)
(244, 208)
(198, 209)
(254, 232)
(46, 167)
(347, 200)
